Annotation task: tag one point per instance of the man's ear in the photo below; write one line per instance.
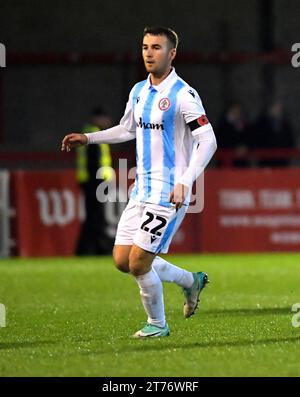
(173, 53)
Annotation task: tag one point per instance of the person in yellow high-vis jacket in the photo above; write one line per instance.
(93, 239)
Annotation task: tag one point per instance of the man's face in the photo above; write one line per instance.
(157, 54)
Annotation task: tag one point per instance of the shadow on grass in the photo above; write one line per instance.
(21, 345)
(260, 311)
(164, 344)
(236, 343)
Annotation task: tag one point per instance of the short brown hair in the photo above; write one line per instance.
(162, 31)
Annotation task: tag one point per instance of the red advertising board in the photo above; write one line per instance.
(49, 210)
(47, 205)
(251, 210)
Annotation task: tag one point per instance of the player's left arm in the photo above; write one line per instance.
(205, 146)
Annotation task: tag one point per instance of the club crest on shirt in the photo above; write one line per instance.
(164, 104)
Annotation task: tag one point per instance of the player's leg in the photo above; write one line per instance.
(166, 271)
(156, 228)
(121, 257)
(170, 273)
(137, 261)
(127, 228)
(151, 292)
(192, 283)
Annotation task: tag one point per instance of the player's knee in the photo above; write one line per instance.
(121, 262)
(136, 269)
(122, 266)
(137, 264)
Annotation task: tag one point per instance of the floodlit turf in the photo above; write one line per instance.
(74, 317)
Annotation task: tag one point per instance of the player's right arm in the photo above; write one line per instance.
(73, 140)
(117, 134)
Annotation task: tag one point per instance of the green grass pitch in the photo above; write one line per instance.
(74, 317)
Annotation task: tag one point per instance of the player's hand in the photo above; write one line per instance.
(178, 195)
(73, 140)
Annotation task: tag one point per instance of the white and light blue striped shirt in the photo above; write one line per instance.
(159, 116)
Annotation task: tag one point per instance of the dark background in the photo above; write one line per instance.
(65, 57)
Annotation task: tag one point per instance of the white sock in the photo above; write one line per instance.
(151, 291)
(171, 273)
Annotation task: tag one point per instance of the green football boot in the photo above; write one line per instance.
(152, 331)
(192, 294)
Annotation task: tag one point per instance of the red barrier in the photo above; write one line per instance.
(245, 211)
(188, 236)
(47, 212)
(251, 210)
(48, 215)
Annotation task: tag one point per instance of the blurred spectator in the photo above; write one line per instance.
(93, 238)
(273, 130)
(233, 132)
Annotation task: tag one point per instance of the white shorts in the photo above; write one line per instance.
(149, 226)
